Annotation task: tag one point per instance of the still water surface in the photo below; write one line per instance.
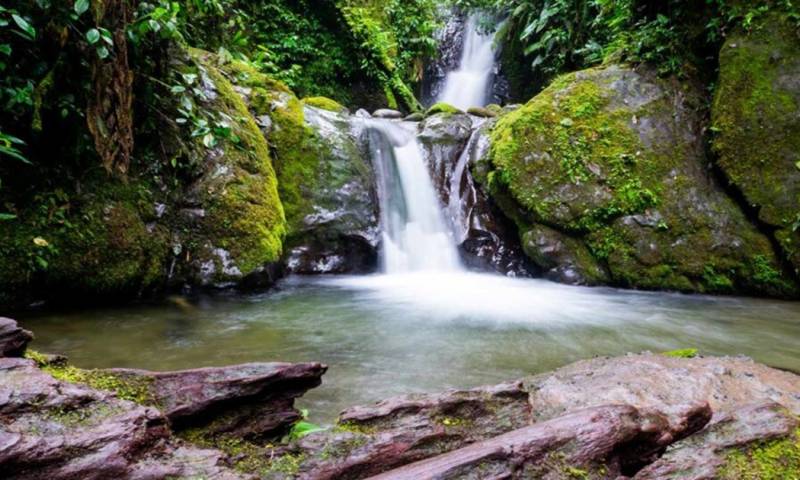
(386, 335)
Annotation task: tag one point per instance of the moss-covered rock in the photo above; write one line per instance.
(98, 242)
(612, 160)
(442, 107)
(324, 179)
(237, 226)
(757, 127)
(325, 103)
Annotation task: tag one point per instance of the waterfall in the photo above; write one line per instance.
(469, 85)
(414, 234)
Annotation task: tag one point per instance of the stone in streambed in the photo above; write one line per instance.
(414, 117)
(387, 114)
(482, 112)
(13, 339)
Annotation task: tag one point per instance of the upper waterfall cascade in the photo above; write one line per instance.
(469, 85)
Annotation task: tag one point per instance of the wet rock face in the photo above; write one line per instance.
(13, 339)
(57, 430)
(754, 116)
(451, 144)
(605, 173)
(340, 232)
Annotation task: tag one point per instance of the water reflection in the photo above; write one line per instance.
(388, 335)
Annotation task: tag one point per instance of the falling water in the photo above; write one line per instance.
(469, 85)
(414, 234)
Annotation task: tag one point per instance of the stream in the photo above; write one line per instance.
(387, 335)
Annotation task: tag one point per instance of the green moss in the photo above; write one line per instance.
(754, 118)
(247, 217)
(247, 457)
(716, 282)
(134, 389)
(773, 460)
(325, 104)
(442, 107)
(682, 353)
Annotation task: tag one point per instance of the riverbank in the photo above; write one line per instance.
(640, 416)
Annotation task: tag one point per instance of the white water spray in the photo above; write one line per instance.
(469, 85)
(414, 234)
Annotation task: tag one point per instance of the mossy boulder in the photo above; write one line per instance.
(757, 127)
(324, 179)
(233, 212)
(325, 103)
(99, 242)
(611, 161)
(442, 107)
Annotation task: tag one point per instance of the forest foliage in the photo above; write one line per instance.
(81, 80)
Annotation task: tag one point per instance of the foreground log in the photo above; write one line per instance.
(53, 430)
(604, 442)
(252, 401)
(373, 439)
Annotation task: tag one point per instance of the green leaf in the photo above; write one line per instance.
(210, 141)
(93, 36)
(303, 428)
(81, 6)
(103, 53)
(7, 216)
(24, 26)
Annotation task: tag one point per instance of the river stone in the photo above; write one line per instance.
(249, 401)
(715, 452)
(614, 158)
(757, 129)
(387, 113)
(13, 339)
(56, 430)
(482, 112)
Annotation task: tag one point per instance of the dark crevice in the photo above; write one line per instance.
(751, 212)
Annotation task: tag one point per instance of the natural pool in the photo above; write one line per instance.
(386, 335)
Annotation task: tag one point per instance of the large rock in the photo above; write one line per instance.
(231, 223)
(757, 128)
(57, 430)
(252, 401)
(605, 173)
(324, 178)
(340, 232)
(754, 441)
(660, 382)
(13, 339)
